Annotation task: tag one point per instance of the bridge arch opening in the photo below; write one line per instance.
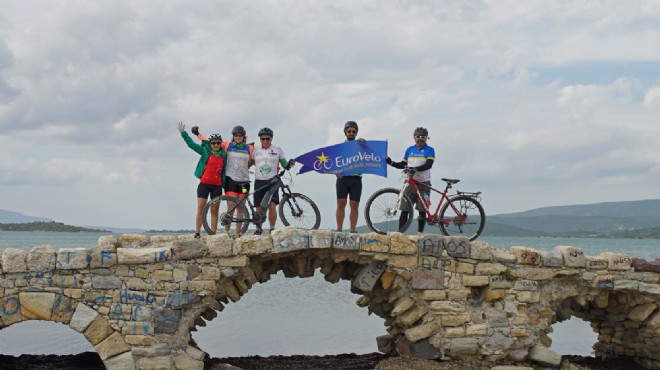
(305, 306)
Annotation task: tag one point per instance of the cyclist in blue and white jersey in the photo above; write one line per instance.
(420, 157)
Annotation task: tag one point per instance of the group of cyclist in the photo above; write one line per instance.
(226, 165)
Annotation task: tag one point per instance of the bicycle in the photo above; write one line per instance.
(457, 215)
(302, 212)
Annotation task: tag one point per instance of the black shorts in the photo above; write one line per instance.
(260, 194)
(204, 190)
(349, 186)
(232, 186)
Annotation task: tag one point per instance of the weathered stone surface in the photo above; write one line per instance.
(72, 258)
(500, 282)
(368, 277)
(402, 306)
(320, 239)
(401, 244)
(10, 310)
(503, 256)
(404, 262)
(573, 257)
(132, 256)
(220, 245)
(455, 320)
(133, 240)
(41, 258)
(185, 362)
(82, 318)
(489, 268)
(188, 249)
(596, 263)
(111, 346)
(36, 306)
(642, 311)
(544, 355)
(470, 281)
(238, 261)
(14, 260)
(552, 259)
(103, 257)
(428, 278)
(457, 246)
(98, 330)
(617, 261)
(63, 308)
(374, 242)
(431, 245)
(106, 282)
(530, 285)
(123, 361)
(643, 265)
(423, 331)
(108, 241)
(464, 345)
(166, 321)
(386, 344)
(284, 240)
(480, 250)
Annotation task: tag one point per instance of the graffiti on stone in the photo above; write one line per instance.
(346, 241)
(369, 275)
(431, 262)
(457, 247)
(128, 296)
(431, 245)
(604, 282)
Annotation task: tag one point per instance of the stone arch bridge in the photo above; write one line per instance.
(136, 298)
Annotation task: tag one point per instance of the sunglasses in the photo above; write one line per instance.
(265, 138)
(420, 137)
(216, 142)
(238, 135)
(351, 131)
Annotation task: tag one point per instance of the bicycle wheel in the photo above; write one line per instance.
(300, 211)
(382, 213)
(223, 204)
(468, 221)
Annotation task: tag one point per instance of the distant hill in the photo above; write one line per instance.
(46, 226)
(10, 217)
(621, 219)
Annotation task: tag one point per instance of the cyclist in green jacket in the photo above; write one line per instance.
(210, 171)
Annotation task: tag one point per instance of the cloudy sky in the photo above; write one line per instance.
(535, 103)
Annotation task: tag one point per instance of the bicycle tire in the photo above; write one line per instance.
(470, 222)
(223, 207)
(380, 212)
(302, 211)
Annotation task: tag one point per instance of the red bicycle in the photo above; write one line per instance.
(457, 215)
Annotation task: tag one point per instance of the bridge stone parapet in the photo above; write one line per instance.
(136, 298)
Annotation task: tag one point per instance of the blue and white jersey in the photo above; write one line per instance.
(416, 157)
(267, 162)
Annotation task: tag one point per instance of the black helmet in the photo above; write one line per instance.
(421, 131)
(238, 130)
(350, 124)
(266, 132)
(215, 137)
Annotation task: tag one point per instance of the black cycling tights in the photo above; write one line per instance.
(421, 220)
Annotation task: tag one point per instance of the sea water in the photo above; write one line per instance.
(286, 316)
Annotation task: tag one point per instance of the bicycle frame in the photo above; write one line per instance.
(278, 184)
(431, 217)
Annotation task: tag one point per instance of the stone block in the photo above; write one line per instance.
(503, 256)
(402, 305)
(106, 282)
(320, 239)
(135, 256)
(368, 276)
(220, 245)
(573, 257)
(14, 260)
(103, 257)
(417, 333)
(238, 261)
(166, 321)
(412, 315)
(480, 250)
(63, 309)
(162, 275)
(460, 267)
(485, 268)
(253, 245)
(642, 312)
(431, 245)
(82, 318)
(109, 241)
(544, 355)
(133, 240)
(72, 258)
(464, 346)
(617, 261)
(428, 279)
(424, 350)
(346, 241)
(188, 249)
(433, 295)
(471, 281)
(649, 288)
(155, 363)
(432, 262)
(476, 330)
(404, 262)
(374, 242)
(500, 282)
(604, 282)
(640, 264)
(552, 259)
(41, 259)
(455, 320)
(386, 344)
(528, 297)
(401, 244)
(10, 310)
(123, 361)
(36, 305)
(137, 328)
(185, 362)
(98, 330)
(596, 263)
(526, 256)
(457, 246)
(111, 346)
(288, 239)
(446, 307)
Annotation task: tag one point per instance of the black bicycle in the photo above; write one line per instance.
(294, 209)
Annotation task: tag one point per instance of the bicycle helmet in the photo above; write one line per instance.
(421, 131)
(238, 130)
(215, 137)
(266, 132)
(350, 124)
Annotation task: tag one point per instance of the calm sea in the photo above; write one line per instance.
(293, 316)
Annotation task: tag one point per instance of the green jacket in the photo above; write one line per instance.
(205, 151)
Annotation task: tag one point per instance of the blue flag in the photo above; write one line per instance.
(348, 158)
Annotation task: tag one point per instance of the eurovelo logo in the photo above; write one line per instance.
(324, 162)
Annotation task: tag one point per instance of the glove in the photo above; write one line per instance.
(195, 130)
(181, 126)
(290, 164)
(388, 160)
